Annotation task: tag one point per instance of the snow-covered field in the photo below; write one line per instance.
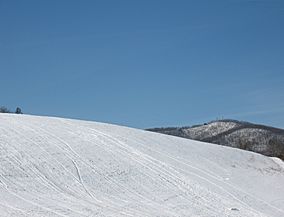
(60, 167)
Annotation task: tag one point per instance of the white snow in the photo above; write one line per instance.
(61, 167)
(209, 130)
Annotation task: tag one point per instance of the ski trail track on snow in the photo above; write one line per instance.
(62, 167)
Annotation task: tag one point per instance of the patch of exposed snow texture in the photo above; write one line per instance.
(278, 161)
(61, 167)
(209, 130)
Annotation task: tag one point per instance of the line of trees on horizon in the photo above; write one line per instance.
(4, 109)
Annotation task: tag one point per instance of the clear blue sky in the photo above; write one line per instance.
(144, 63)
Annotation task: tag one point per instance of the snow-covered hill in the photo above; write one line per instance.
(262, 139)
(60, 167)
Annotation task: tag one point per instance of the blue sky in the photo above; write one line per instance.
(144, 63)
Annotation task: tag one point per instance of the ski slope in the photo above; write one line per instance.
(62, 167)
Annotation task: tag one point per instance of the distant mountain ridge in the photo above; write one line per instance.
(258, 138)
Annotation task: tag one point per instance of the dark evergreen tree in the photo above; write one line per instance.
(18, 111)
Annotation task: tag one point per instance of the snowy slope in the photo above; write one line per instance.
(209, 130)
(261, 139)
(61, 167)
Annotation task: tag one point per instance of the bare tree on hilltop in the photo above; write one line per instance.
(4, 109)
